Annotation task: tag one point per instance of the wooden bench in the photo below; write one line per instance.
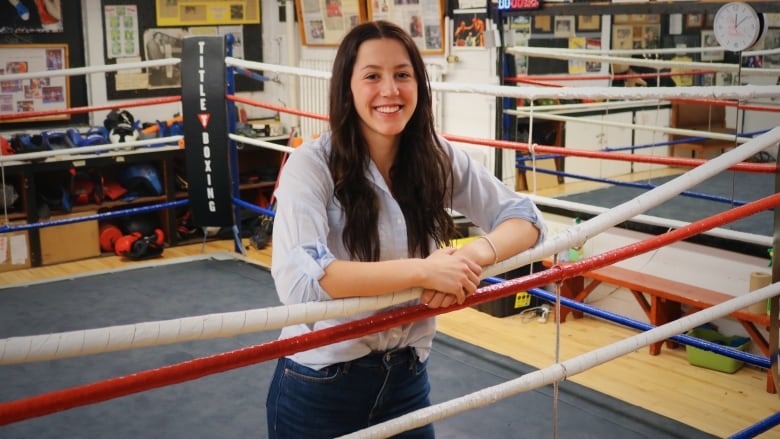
(699, 117)
(666, 298)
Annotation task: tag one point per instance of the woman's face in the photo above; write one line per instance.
(384, 89)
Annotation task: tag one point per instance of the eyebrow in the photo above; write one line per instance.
(375, 66)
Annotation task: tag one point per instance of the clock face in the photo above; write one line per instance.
(737, 26)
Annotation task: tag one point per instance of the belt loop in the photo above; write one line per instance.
(412, 357)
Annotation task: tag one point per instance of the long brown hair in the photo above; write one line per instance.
(421, 176)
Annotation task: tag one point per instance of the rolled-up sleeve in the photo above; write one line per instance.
(486, 200)
(300, 231)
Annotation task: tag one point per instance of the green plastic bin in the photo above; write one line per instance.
(711, 360)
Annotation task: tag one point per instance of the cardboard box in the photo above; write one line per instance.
(69, 242)
(14, 251)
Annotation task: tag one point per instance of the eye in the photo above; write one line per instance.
(371, 76)
(405, 75)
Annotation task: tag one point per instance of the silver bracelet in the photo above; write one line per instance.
(492, 246)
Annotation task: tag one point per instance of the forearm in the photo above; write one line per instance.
(363, 279)
(509, 238)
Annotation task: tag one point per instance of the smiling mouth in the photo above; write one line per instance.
(388, 109)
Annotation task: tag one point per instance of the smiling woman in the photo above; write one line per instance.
(385, 96)
(380, 186)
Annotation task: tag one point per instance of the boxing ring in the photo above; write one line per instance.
(58, 346)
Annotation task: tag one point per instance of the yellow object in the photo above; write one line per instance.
(460, 242)
(522, 299)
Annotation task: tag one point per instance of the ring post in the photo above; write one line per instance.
(205, 115)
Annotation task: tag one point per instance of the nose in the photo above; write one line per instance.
(389, 87)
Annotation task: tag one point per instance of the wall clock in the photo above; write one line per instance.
(737, 26)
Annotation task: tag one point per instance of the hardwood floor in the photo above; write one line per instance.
(718, 403)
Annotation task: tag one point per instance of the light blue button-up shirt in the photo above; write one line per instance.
(307, 233)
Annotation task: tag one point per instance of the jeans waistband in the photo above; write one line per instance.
(393, 357)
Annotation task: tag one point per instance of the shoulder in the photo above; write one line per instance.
(312, 154)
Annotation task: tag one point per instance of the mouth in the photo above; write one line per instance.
(388, 109)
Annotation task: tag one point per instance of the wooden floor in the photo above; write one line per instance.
(718, 403)
(715, 402)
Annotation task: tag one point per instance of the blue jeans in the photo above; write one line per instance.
(339, 399)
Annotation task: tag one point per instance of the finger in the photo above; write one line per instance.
(448, 301)
(460, 296)
(426, 296)
(436, 301)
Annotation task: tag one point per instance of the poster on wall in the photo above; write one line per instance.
(207, 12)
(133, 35)
(325, 22)
(423, 19)
(121, 30)
(40, 94)
(469, 28)
(30, 16)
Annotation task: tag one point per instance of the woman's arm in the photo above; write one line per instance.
(508, 239)
(445, 270)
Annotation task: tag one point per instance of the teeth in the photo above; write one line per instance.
(388, 109)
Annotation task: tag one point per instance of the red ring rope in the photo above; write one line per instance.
(78, 110)
(60, 400)
(761, 168)
(275, 107)
(520, 146)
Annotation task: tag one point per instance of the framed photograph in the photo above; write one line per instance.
(210, 13)
(588, 23)
(564, 26)
(694, 21)
(621, 19)
(469, 28)
(32, 17)
(622, 36)
(38, 94)
(424, 20)
(542, 24)
(772, 39)
(325, 22)
(708, 40)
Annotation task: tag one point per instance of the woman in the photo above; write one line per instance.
(360, 211)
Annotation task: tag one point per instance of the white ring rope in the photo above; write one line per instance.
(653, 128)
(74, 343)
(263, 143)
(662, 51)
(560, 371)
(666, 223)
(691, 65)
(593, 106)
(741, 92)
(94, 69)
(75, 153)
(578, 234)
(68, 344)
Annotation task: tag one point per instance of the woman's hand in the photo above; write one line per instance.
(450, 278)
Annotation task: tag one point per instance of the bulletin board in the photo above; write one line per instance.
(133, 33)
(44, 93)
(205, 12)
(423, 19)
(325, 22)
(64, 35)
